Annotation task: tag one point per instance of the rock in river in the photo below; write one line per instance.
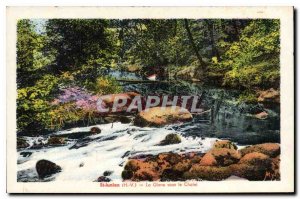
(224, 144)
(269, 96)
(95, 130)
(270, 149)
(210, 173)
(46, 168)
(22, 143)
(171, 138)
(262, 115)
(220, 157)
(158, 116)
(56, 141)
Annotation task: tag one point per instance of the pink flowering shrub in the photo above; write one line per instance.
(80, 97)
(73, 104)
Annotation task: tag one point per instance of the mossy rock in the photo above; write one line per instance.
(172, 158)
(208, 160)
(182, 166)
(127, 174)
(171, 139)
(145, 175)
(46, 168)
(225, 144)
(56, 141)
(95, 130)
(209, 173)
(22, 143)
(270, 149)
(250, 172)
(257, 159)
(132, 165)
(171, 175)
(159, 116)
(222, 157)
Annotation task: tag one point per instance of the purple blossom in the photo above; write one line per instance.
(82, 99)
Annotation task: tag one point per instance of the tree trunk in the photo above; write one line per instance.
(210, 27)
(191, 39)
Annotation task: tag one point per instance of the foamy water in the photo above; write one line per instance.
(107, 151)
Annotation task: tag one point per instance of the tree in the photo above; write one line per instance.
(79, 42)
(254, 60)
(26, 46)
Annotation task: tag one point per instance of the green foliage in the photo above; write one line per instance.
(78, 41)
(33, 104)
(253, 61)
(106, 85)
(30, 55)
(248, 97)
(63, 114)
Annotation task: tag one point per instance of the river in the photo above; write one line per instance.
(109, 150)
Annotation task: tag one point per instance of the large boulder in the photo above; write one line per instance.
(248, 171)
(210, 173)
(269, 96)
(137, 170)
(46, 168)
(254, 166)
(220, 157)
(158, 116)
(164, 167)
(270, 149)
(275, 171)
(208, 160)
(257, 159)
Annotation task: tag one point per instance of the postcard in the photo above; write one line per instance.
(150, 100)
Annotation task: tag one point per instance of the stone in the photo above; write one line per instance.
(22, 143)
(183, 165)
(145, 175)
(127, 174)
(248, 171)
(103, 179)
(46, 168)
(159, 116)
(95, 130)
(222, 156)
(56, 141)
(208, 160)
(225, 144)
(262, 115)
(171, 175)
(269, 96)
(210, 173)
(270, 149)
(255, 158)
(171, 138)
(107, 173)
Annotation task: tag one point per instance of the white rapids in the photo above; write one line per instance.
(107, 151)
